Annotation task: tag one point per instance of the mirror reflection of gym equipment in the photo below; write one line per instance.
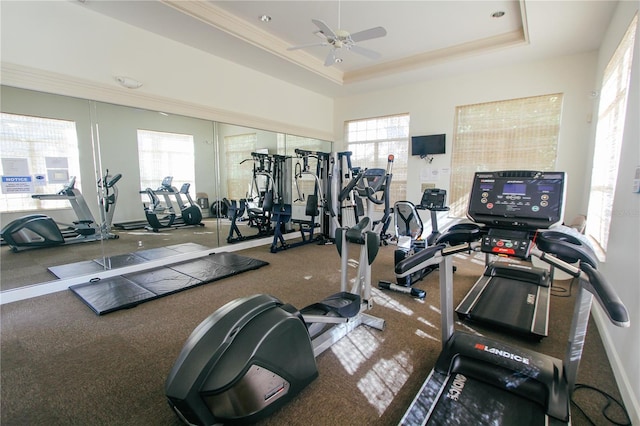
(38, 230)
(266, 188)
(187, 214)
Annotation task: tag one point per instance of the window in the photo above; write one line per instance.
(372, 140)
(239, 148)
(608, 142)
(503, 135)
(165, 154)
(38, 146)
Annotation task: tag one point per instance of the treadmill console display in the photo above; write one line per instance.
(510, 243)
(517, 199)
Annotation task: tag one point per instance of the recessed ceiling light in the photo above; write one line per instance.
(265, 18)
(338, 60)
(498, 14)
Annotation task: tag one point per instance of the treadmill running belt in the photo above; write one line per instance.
(127, 291)
(507, 303)
(466, 401)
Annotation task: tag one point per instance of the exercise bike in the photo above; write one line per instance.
(256, 353)
(409, 231)
(38, 230)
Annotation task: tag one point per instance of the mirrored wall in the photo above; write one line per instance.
(122, 153)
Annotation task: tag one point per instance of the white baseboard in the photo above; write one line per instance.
(628, 393)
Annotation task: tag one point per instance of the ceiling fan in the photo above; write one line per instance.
(339, 39)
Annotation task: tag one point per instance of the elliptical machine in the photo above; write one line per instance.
(190, 213)
(233, 369)
(38, 230)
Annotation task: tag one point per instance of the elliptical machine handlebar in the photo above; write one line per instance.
(114, 180)
(369, 182)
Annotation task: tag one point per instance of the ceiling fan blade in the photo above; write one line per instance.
(364, 52)
(328, 32)
(331, 58)
(302, 46)
(368, 34)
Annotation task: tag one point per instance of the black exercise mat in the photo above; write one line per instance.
(127, 291)
(97, 265)
(120, 260)
(111, 294)
(188, 247)
(157, 253)
(163, 281)
(76, 269)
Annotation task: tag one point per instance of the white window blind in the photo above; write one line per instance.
(517, 134)
(164, 154)
(608, 142)
(237, 149)
(372, 140)
(39, 140)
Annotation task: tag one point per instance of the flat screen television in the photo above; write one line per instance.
(427, 145)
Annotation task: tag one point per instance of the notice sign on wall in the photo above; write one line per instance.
(17, 185)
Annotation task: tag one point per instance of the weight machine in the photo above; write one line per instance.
(266, 195)
(318, 209)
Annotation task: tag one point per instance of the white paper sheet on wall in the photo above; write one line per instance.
(15, 167)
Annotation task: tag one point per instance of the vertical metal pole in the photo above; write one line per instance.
(446, 298)
(344, 257)
(577, 335)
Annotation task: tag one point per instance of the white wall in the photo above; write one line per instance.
(86, 50)
(77, 46)
(432, 104)
(622, 264)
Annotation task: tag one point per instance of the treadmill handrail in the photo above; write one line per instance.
(607, 297)
(595, 283)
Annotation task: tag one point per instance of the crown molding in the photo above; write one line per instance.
(433, 57)
(61, 84)
(212, 15)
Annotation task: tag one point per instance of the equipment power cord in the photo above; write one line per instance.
(561, 291)
(610, 399)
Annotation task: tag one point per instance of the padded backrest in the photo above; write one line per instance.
(267, 203)
(407, 220)
(312, 206)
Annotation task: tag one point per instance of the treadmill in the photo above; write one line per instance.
(477, 380)
(513, 206)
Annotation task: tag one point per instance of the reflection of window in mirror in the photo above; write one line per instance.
(164, 154)
(304, 184)
(43, 149)
(237, 149)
